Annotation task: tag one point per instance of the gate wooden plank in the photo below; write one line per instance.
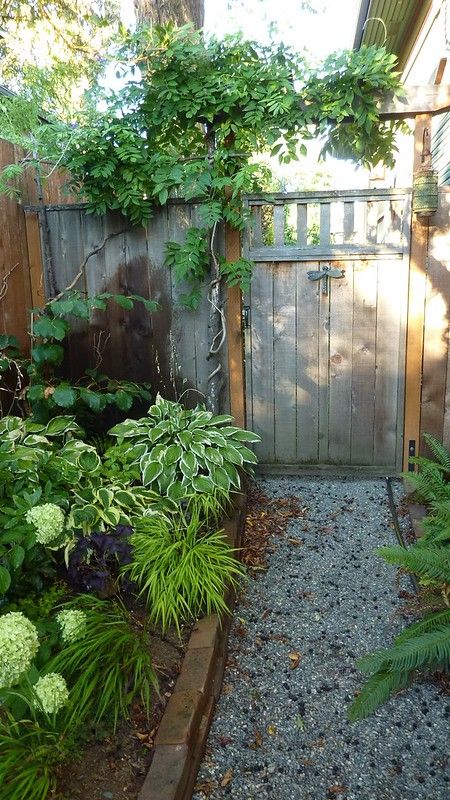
(307, 373)
(323, 372)
(262, 361)
(284, 352)
(340, 384)
(183, 328)
(161, 291)
(389, 358)
(363, 361)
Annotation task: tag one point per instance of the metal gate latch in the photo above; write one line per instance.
(324, 274)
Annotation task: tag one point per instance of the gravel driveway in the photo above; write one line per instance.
(280, 729)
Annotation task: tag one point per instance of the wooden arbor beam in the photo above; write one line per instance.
(427, 99)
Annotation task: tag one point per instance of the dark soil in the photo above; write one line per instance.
(113, 766)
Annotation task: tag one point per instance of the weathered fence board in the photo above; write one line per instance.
(167, 348)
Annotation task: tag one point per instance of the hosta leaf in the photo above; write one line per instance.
(214, 455)
(220, 419)
(185, 437)
(231, 453)
(152, 471)
(233, 474)
(89, 461)
(111, 516)
(248, 455)
(246, 436)
(60, 425)
(216, 438)
(173, 454)
(176, 491)
(203, 483)
(198, 449)
(189, 465)
(221, 478)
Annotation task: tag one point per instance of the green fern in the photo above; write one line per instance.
(375, 692)
(429, 623)
(440, 452)
(429, 484)
(426, 561)
(416, 652)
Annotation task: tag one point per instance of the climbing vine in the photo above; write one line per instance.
(191, 114)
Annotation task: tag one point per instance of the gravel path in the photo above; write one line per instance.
(281, 732)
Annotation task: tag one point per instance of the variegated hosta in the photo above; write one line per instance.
(184, 451)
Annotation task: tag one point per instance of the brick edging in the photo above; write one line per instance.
(183, 730)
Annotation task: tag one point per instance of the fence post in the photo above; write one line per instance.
(38, 298)
(234, 328)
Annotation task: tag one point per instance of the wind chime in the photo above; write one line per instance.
(425, 183)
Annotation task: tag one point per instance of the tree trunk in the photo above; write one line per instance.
(159, 12)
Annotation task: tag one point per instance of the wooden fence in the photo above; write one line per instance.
(15, 277)
(168, 347)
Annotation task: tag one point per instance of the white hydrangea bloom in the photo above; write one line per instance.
(72, 623)
(48, 520)
(19, 644)
(51, 692)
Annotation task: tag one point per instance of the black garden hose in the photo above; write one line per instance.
(397, 529)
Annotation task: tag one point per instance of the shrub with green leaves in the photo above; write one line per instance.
(109, 666)
(432, 482)
(182, 568)
(179, 452)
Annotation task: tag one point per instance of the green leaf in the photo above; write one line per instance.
(94, 400)
(173, 454)
(189, 465)
(89, 461)
(51, 353)
(152, 471)
(123, 400)
(123, 302)
(60, 425)
(5, 580)
(203, 483)
(64, 396)
(50, 328)
(16, 556)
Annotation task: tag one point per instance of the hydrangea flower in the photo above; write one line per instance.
(48, 520)
(19, 644)
(72, 623)
(51, 692)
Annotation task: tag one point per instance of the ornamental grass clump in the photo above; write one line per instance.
(110, 666)
(19, 644)
(182, 568)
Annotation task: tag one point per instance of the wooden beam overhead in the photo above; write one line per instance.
(426, 99)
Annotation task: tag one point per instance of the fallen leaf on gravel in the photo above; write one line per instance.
(318, 743)
(206, 788)
(337, 789)
(272, 730)
(256, 741)
(227, 688)
(295, 659)
(227, 778)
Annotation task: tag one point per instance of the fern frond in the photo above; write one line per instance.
(425, 625)
(429, 484)
(425, 562)
(431, 648)
(440, 452)
(375, 691)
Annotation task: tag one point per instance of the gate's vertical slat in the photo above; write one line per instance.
(307, 373)
(161, 291)
(67, 254)
(363, 371)
(183, 324)
(341, 330)
(325, 224)
(323, 373)
(248, 356)
(138, 325)
(349, 222)
(256, 230)
(391, 294)
(302, 224)
(284, 350)
(262, 361)
(278, 225)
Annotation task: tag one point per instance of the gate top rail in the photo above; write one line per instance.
(304, 226)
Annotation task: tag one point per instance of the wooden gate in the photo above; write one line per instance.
(325, 322)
